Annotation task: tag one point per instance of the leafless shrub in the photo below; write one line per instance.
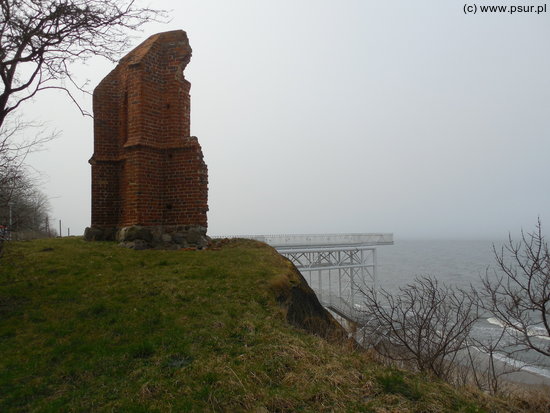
(517, 292)
(425, 324)
(428, 325)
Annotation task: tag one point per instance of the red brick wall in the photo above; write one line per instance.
(146, 168)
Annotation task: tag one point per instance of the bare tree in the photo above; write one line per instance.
(41, 38)
(23, 206)
(15, 147)
(425, 323)
(517, 292)
(17, 141)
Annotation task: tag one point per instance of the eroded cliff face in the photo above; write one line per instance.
(302, 307)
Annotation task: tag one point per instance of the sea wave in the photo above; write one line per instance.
(518, 364)
(534, 331)
(495, 321)
(522, 366)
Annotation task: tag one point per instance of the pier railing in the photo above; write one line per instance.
(305, 240)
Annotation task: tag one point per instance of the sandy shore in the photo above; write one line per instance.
(509, 374)
(521, 379)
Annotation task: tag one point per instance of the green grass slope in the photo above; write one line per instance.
(95, 327)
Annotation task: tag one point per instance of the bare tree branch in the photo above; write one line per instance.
(40, 39)
(517, 292)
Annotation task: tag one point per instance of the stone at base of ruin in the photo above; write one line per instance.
(149, 180)
(160, 237)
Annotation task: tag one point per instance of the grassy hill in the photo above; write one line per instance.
(95, 327)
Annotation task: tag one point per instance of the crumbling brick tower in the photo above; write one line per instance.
(149, 180)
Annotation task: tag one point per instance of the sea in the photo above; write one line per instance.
(460, 263)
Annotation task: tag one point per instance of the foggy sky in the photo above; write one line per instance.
(323, 116)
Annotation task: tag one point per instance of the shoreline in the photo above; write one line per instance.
(523, 377)
(510, 374)
(520, 379)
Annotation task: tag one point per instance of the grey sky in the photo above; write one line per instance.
(347, 116)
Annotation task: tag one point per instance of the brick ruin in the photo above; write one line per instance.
(149, 180)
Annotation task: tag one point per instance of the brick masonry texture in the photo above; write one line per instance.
(146, 168)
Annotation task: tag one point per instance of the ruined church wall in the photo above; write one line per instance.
(106, 168)
(146, 169)
(186, 186)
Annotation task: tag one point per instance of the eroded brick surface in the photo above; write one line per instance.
(146, 168)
